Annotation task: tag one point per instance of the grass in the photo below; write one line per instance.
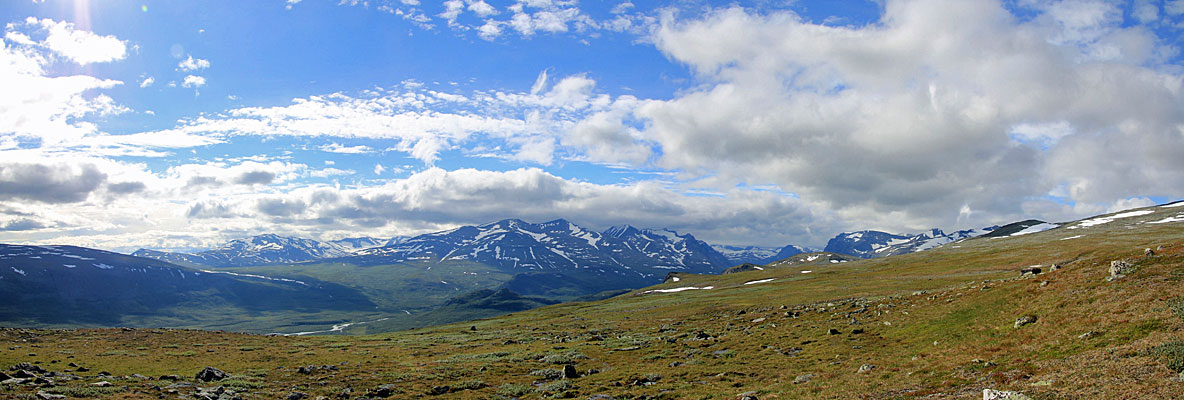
(951, 341)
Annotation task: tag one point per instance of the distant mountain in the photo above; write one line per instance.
(256, 250)
(815, 258)
(873, 244)
(746, 254)
(359, 243)
(73, 286)
(1021, 228)
(557, 258)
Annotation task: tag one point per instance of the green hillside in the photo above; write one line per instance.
(943, 323)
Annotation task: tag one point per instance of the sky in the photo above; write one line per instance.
(179, 125)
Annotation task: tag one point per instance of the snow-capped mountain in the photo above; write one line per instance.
(873, 244)
(559, 245)
(360, 243)
(746, 254)
(255, 250)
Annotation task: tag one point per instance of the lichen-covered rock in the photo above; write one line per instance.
(989, 394)
(1024, 320)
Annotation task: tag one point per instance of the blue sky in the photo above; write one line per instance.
(180, 125)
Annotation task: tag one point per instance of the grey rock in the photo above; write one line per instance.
(865, 368)
(1120, 267)
(209, 374)
(1024, 320)
(989, 394)
(1148, 252)
(49, 396)
(803, 378)
(296, 396)
(101, 384)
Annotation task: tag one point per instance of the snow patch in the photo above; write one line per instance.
(674, 279)
(22, 272)
(807, 271)
(69, 265)
(812, 258)
(103, 266)
(760, 281)
(1180, 204)
(1178, 218)
(1073, 237)
(1102, 220)
(675, 290)
(251, 276)
(1035, 228)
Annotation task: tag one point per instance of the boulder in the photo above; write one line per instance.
(296, 396)
(41, 395)
(865, 368)
(989, 394)
(803, 378)
(1030, 271)
(209, 374)
(1024, 320)
(1148, 252)
(102, 384)
(569, 372)
(1119, 268)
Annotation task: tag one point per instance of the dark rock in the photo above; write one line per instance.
(382, 391)
(180, 385)
(43, 381)
(856, 331)
(1024, 320)
(569, 372)
(296, 396)
(1030, 271)
(208, 374)
(438, 390)
(1148, 252)
(832, 331)
(170, 378)
(600, 397)
(28, 367)
(4, 376)
(82, 369)
(20, 373)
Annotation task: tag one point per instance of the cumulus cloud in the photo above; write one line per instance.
(343, 149)
(940, 104)
(146, 82)
(56, 183)
(193, 81)
(192, 64)
(47, 108)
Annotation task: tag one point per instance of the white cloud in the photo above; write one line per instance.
(1173, 7)
(148, 81)
(49, 108)
(82, 47)
(481, 8)
(378, 169)
(343, 149)
(193, 81)
(898, 124)
(192, 64)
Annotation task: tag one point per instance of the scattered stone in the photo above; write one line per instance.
(296, 396)
(600, 397)
(439, 390)
(747, 396)
(1024, 320)
(208, 374)
(1088, 335)
(170, 378)
(865, 368)
(82, 369)
(1148, 252)
(569, 372)
(20, 373)
(675, 364)
(856, 331)
(4, 376)
(803, 378)
(138, 376)
(49, 396)
(180, 385)
(832, 331)
(1030, 271)
(989, 394)
(1119, 269)
(758, 320)
(43, 381)
(630, 348)
(1043, 283)
(382, 391)
(16, 381)
(102, 384)
(1054, 267)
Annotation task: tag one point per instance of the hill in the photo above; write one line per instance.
(1101, 319)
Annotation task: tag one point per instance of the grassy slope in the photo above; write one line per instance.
(938, 324)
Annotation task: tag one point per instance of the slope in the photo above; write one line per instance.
(933, 324)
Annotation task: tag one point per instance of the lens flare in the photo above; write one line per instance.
(144, 8)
